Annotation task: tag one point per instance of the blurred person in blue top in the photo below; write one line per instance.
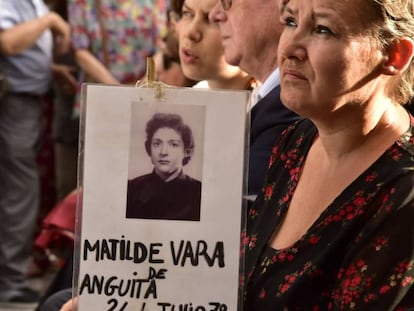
(28, 35)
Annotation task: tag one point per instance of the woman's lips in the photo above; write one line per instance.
(187, 56)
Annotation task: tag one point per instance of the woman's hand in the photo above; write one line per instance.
(71, 305)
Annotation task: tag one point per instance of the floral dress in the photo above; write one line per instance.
(358, 255)
(132, 29)
(128, 30)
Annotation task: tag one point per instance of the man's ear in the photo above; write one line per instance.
(399, 56)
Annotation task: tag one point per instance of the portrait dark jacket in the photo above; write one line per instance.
(269, 118)
(150, 197)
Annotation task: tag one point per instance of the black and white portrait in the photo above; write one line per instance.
(167, 191)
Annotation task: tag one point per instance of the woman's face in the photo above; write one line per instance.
(167, 152)
(201, 50)
(326, 57)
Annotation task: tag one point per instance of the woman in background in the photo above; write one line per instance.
(112, 39)
(201, 51)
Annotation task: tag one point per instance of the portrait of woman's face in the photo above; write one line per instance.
(165, 190)
(167, 152)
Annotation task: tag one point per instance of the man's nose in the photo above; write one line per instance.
(217, 13)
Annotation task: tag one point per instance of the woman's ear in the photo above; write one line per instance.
(399, 56)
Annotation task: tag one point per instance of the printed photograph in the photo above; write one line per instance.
(164, 155)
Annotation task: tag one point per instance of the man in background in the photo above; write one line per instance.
(250, 32)
(28, 34)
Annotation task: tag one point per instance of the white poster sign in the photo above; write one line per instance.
(162, 185)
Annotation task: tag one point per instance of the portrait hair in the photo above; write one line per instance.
(175, 122)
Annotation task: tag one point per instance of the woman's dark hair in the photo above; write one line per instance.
(174, 122)
(177, 6)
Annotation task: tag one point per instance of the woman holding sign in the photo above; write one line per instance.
(333, 227)
(166, 193)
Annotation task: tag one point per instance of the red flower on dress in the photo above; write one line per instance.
(359, 202)
(407, 281)
(252, 242)
(371, 177)
(284, 288)
(273, 156)
(291, 278)
(314, 239)
(268, 191)
(384, 289)
(380, 243)
(281, 256)
(262, 294)
(355, 281)
(253, 213)
(395, 154)
(360, 263)
(244, 238)
(404, 266)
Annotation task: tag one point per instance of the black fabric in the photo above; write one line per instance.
(3, 84)
(65, 123)
(63, 280)
(56, 301)
(269, 118)
(150, 197)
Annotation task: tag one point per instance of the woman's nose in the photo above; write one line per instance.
(164, 149)
(194, 32)
(293, 46)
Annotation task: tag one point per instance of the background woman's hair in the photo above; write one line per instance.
(177, 6)
(175, 122)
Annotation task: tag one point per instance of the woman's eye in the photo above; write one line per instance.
(156, 144)
(289, 21)
(186, 14)
(323, 30)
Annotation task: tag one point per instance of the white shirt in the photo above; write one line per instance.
(263, 89)
(270, 83)
(201, 85)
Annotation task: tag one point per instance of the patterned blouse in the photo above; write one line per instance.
(359, 253)
(131, 27)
